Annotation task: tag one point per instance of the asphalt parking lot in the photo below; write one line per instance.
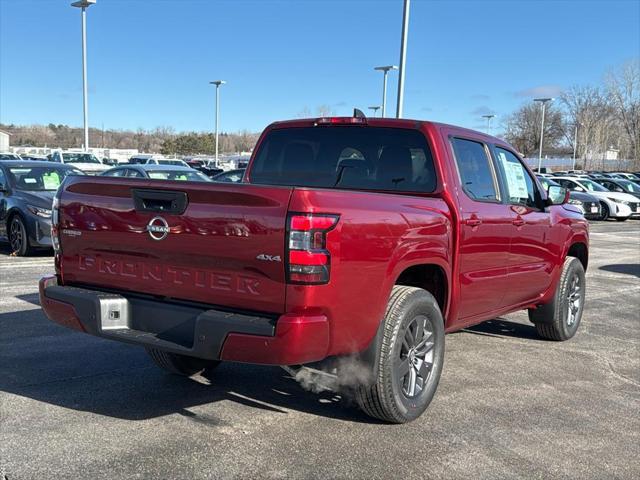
(509, 405)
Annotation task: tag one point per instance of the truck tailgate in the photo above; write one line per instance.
(225, 248)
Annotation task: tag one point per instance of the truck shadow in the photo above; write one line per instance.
(500, 327)
(5, 249)
(632, 269)
(48, 363)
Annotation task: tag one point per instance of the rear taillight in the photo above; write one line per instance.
(309, 261)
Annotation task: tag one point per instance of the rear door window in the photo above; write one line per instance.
(348, 157)
(476, 170)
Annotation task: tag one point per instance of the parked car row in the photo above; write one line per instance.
(92, 165)
(616, 194)
(593, 174)
(27, 188)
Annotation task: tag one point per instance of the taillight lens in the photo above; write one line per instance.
(309, 261)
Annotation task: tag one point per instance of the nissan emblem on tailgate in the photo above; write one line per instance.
(158, 228)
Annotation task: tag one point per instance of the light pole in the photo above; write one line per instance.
(217, 83)
(375, 108)
(385, 69)
(83, 5)
(575, 146)
(403, 57)
(488, 117)
(543, 101)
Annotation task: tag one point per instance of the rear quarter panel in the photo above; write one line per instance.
(379, 235)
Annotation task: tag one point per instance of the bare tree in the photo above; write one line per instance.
(623, 88)
(324, 110)
(161, 139)
(522, 128)
(304, 113)
(587, 107)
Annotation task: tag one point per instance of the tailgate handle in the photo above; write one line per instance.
(159, 201)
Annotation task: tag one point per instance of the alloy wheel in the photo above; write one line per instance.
(415, 360)
(574, 300)
(16, 235)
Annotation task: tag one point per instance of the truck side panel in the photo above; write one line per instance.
(379, 235)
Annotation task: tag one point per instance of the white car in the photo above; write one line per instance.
(171, 161)
(627, 176)
(154, 160)
(616, 205)
(87, 162)
(9, 156)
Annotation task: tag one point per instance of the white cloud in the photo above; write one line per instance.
(540, 91)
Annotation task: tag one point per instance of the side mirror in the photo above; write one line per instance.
(557, 195)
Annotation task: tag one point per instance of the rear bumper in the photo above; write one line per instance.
(187, 330)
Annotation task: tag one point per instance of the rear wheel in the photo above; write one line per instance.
(180, 364)
(409, 360)
(18, 237)
(605, 212)
(559, 319)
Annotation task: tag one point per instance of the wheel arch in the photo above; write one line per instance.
(431, 277)
(580, 250)
(12, 213)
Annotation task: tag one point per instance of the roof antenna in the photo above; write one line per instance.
(357, 113)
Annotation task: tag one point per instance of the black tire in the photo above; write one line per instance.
(622, 219)
(604, 215)
(18, 237)
(180, 364)
(559, 319)
(412, 342)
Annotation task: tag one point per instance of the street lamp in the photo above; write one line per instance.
(375, 108)
(403, 57)
(385, 69)
(217, 83)
(543, 101)
(488, 117)
(575, 144)
(83, 5)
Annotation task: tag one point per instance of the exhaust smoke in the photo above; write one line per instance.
(341, 375)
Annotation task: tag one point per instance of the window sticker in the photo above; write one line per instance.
(29, 180)
(516, 182)
(51, 181)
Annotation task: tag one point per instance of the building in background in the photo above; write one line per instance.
(4, 141)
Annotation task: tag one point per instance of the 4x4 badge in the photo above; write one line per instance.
(269, 258)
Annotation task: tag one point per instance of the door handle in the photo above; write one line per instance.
(473, 221)
(518, 221)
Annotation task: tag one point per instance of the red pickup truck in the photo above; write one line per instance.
(348, 237)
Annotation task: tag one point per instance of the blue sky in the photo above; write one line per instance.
(150, 60)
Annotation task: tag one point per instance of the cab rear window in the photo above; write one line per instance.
(346, 157)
